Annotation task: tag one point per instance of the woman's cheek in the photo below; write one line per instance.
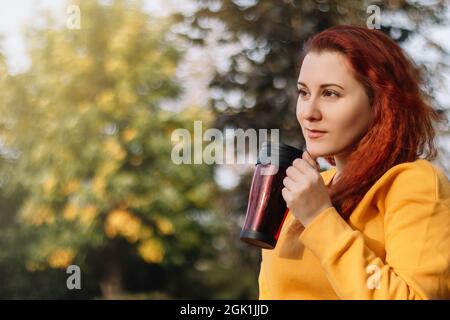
(347, 132)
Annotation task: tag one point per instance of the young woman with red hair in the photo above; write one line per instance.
(377, 224)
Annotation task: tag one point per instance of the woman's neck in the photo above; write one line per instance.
(340, 161)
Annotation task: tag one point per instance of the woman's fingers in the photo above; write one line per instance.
(288, 183)
(294, 173)
(306, 156)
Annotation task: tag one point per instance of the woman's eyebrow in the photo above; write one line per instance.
(322, 85)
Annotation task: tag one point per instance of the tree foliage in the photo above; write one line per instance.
(86, 152)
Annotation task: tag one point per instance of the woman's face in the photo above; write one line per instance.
(331, 100)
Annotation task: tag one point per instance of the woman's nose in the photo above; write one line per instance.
(309, 109)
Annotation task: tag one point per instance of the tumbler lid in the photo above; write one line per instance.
(279, 154)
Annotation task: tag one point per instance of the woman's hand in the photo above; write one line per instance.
(305, 192)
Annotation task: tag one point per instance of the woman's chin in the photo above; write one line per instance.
(319, 153)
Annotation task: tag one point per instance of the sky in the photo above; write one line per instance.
(14, 14)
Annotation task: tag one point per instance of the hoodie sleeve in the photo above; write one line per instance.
(417, 244)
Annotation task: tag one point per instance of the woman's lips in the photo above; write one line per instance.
(313, 134)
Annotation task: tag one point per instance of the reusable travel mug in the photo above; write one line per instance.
(266, 208)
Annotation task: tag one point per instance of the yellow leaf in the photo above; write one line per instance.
(61, 258)
(98, 186)
(84, 106)
(49, 184)
(37, 214)
(107, 168)
(70, 212)
(129, 134)
(164, 225)
(114, 66)
(105, 100)
(72, 186)
(151, 251)
(113, 148)
(85, 64)
(123, 223)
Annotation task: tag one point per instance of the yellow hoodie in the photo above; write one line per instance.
(395, 245)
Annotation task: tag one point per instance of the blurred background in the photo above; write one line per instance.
(90, 93)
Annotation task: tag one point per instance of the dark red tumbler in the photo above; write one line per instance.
(266, 208)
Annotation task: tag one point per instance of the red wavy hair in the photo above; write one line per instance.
(402, 129)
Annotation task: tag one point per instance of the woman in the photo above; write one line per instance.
(376, 225)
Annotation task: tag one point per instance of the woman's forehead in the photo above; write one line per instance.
(325, 67)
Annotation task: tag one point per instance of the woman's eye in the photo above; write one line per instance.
(329, 93)
(301, 92)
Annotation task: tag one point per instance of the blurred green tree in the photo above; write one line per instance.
(86, 168)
